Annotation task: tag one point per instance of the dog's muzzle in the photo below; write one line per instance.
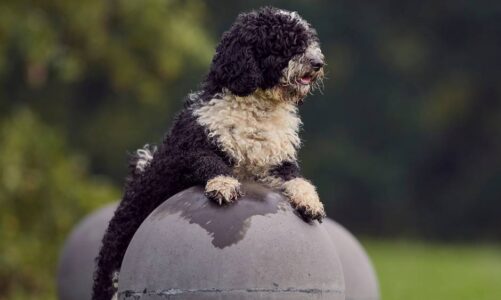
(316, 64)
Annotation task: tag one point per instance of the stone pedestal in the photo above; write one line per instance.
(76, 264)
(360, 278)
(255, 248)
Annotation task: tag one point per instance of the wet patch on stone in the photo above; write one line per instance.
(227, 224)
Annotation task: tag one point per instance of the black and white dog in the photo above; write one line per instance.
(241, 126)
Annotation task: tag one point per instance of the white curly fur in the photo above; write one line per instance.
(145, 156)
(258, 132)
(303, 195)
(225, 189)
(299, 66)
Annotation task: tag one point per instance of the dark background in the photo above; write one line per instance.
(404, 141)
(407, 136)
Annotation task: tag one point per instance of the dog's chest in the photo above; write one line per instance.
(257, 137)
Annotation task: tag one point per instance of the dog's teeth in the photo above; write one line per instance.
(305, 80)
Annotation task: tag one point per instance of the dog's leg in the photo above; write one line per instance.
(304, 198)
(131, 212)
(210, 169)
(301, 193)
(121, 228)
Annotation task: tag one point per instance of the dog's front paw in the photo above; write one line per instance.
(223, 189)
(304, 198)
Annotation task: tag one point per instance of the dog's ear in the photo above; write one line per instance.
(234, 67)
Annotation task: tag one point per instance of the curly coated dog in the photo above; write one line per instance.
(241, 125)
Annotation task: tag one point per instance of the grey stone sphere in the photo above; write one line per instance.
(360, 278)
(254, 248)
(76, 263)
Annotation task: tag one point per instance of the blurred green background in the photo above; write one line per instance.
(404, 144)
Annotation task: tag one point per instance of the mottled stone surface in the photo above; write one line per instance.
(256, 248)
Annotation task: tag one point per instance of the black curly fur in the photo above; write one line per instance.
(250, 55)
(287, 170)
(254, 51)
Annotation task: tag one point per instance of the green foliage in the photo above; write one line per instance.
(44, 191)
(416, 271)
(105, 75)
(137, 45)
(103, 72)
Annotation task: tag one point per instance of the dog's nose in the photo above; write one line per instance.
(316, 64)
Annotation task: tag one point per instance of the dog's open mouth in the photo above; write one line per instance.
(306, 79)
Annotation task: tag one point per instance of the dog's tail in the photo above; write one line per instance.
(140, 160)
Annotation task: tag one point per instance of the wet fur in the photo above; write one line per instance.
(241, 125)
(257, 132)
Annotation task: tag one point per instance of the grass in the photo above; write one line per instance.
(421, 271)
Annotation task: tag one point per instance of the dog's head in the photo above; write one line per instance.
(268, 50)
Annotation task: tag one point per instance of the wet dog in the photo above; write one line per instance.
(241, 125)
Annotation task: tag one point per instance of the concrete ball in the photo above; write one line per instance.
(360, 278)
(76, 264)
(255, 248)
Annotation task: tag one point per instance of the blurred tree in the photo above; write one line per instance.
(105, 72)
(106, 75)
(44, 190)
(405, 139)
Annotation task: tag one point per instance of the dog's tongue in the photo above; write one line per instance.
(305, 79)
